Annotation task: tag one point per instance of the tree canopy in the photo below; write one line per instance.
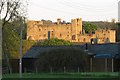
(10, 41)
(60, 58)
(89, 28)
(54, 42)
(11, 9)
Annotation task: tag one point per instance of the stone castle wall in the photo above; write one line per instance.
(72, 32)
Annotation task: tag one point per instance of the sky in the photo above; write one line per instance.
(88, 10)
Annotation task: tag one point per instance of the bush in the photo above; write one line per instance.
(69, 58)
(54, 42)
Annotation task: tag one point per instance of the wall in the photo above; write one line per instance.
(36, 30)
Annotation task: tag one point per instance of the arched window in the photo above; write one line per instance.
(73, 37)
(40, 29)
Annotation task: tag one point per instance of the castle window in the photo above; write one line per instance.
(44, 35)
(102, 39)
(67, 27)
(80, 32)
(39, 29)
(60, 35)
(73, 37)
(84, 40)
(67, 35)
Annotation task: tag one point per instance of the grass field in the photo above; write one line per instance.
(64, 76)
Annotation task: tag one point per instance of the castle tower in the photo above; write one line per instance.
(59, 21)
(76, 29)
(79, 25)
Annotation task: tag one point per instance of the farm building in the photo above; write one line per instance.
(102, 57)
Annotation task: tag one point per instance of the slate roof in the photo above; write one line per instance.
(108, 50)
(35, 51)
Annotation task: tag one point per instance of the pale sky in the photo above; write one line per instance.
(88, 10)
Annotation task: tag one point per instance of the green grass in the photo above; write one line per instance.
(64, 75)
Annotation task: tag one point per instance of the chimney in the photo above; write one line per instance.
(86, 47)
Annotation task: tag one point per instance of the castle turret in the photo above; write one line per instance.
(76, 28)
(79, 25)
(59, 21)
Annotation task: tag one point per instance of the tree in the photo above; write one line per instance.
(10, 42)
(113, 20)
(26, 45)
(11, 9)
(54, 42)
(17, 23)
(64, 22)
(10, 45)
(70, 58)
(46, 22)
(89, 28)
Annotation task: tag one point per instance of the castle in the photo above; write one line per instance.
(73, 32)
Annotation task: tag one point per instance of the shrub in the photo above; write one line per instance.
(69, 58)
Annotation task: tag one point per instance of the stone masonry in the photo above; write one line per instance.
(39, 31)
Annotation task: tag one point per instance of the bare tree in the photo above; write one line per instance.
(10, 9)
